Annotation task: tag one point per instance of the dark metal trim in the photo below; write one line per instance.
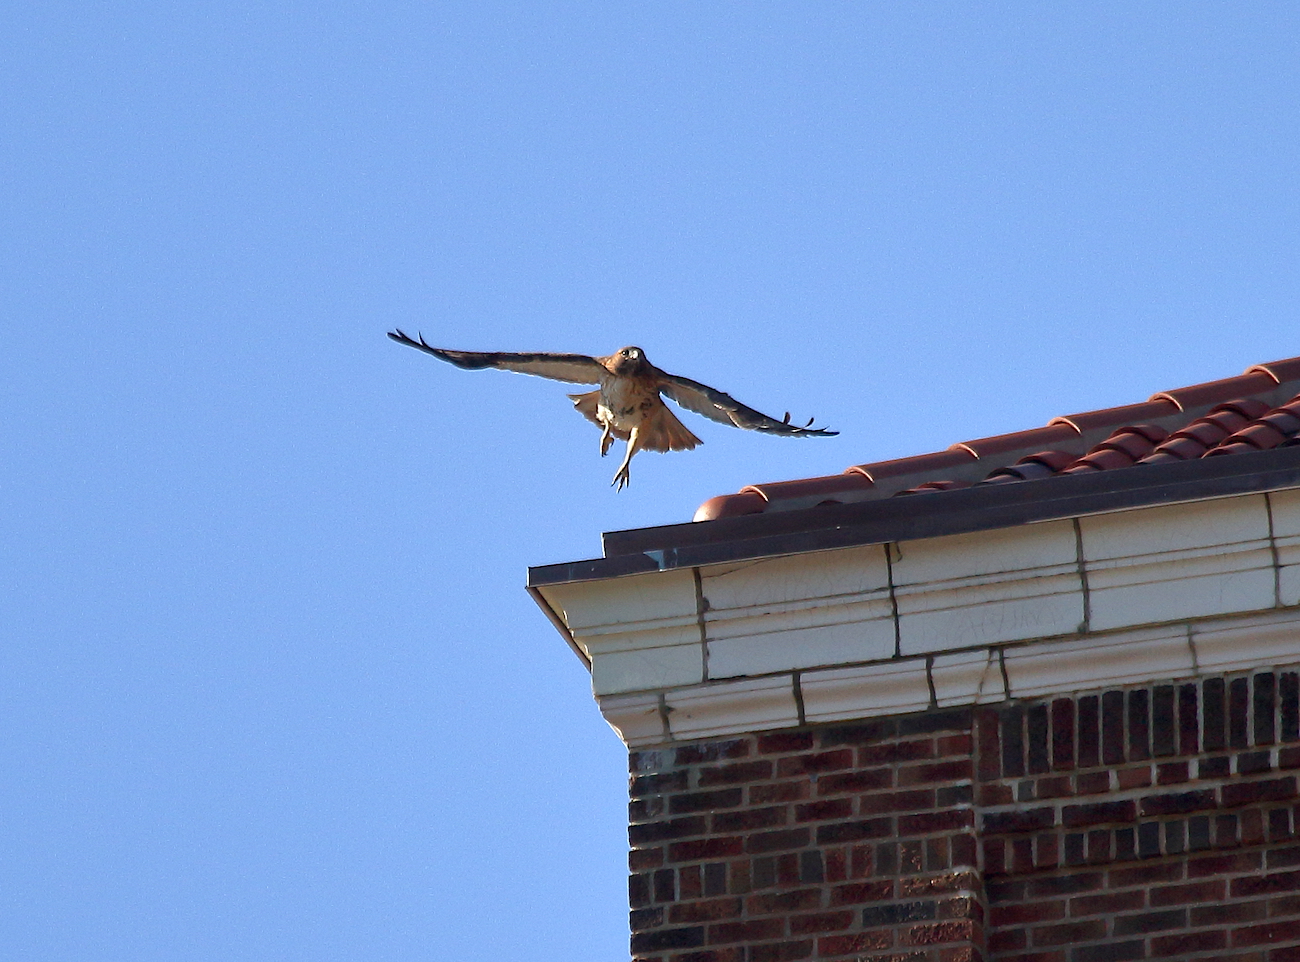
(907, 518)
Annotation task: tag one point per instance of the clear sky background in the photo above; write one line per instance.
(270, 685)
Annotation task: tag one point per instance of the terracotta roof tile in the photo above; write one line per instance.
(1225, 417)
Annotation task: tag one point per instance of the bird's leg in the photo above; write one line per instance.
(606, 439)
(622, 476)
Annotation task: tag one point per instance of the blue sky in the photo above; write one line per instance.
(270, 686)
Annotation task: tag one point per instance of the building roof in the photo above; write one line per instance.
(1256, 411)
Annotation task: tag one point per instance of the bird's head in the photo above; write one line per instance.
(629, 360)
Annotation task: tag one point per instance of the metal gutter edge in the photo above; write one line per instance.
(980, 508)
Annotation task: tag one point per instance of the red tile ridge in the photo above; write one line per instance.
(1282, 371)
(730, 506)
(1213, 392)
(935, 461)
(1018, 440)
(1125, 414)
(820, 488)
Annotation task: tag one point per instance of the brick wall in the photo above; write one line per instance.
(1153, 822)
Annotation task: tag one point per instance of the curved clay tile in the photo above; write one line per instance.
(1281, 371)
(1215, 392)
(1107, 417)
(730, 506)
(933, 486)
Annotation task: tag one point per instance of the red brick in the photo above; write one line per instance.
(1146, 874)
(1188, 942)
(1008, 940)
(1147, 922)
(1171, 773)
(798, 900)
(1098, 813)
(778, 792)
(878, 803)
(1284, 905)
(658, 783)
(748, 819)
(936, 933)
(832, 945)
(736, 772)
(854, 831)
(1054, 786)
(710, 910)
(1268, 790)
(858, 781)
(1069, 933)
(689, 883)
(1265, 884)
(1139, 777)
(781, 951)
(818, 762)
(996, 795)
(762, 842)
(1211, 890)
(1268, 932)
(1025, 912)
(950, 882)
(954, 745)
(640, 859)
(936, 772)
(824, 809)
(1092, 783)
(780, 742)
(931, 822)
(856, 893)
(724, 932)
(1106, 903)
(712, 955)
(821, 922)
(1223, 864)
(698, 850)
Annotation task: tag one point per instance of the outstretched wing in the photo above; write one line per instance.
(724, 408)
(574, 368)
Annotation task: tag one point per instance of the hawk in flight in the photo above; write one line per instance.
(627, 405)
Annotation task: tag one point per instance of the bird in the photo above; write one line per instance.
(628, 405)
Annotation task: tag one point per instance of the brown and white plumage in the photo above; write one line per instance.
(628, 403)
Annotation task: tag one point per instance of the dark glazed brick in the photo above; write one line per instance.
(1208, 891)
(638, 890)
(641, 919)
(990, 752)
(1189, 726)
(1074, 849)
(764, 872)
(737, 772)
(1148, 839)
(1139, 725)
(948, 720)
(1238, 695)
(1213, 716)
(1252, 763)
(1038, 731)
(778, 952)
(724, 932)
(1125, 844)
(863, 781)
(1214, 767)
(1175, 839)
(651, 832)
(712, 751)
(1069, 933)
(687, 938)
(896, 913)
(1150, 922)
(1287, 931)
(1064, 884)
(1265, 690)
(1198, 833)
(938, 772)
(1163, 726)
(1013, 741)
(1112, 728)
(1099, 845)
(710, 911)
(1171, 773)
(873, 731)
(1177, 803)
(665, 883)
(1289, 695)
(657, 784)
(704, 848)
(715, 878)
(1265, 884)
(1089, 736)
(1063, 734)
(955, 795)
(826, 808)
(1111, 952)
(811, 868)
